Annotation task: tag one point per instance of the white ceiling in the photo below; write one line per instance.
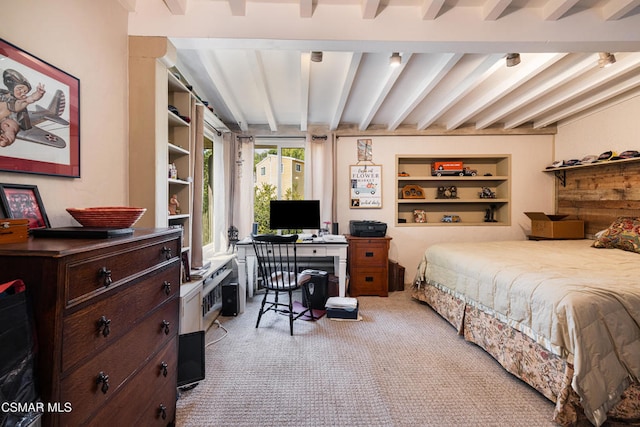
(251, 61)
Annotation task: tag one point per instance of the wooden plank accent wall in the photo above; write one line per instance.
(600, 193)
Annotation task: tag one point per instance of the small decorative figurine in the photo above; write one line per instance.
(447, 193)
(487, 193)
(419, 215)
(174, 205)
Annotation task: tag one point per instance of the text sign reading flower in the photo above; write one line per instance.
(365, 186)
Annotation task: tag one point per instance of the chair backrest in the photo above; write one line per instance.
(277, 263)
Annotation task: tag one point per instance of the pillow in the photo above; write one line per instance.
(623, 233)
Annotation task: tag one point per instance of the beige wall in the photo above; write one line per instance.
(616, 128)
(531, 190)
(87, 39)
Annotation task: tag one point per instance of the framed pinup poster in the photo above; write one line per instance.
(39, 116)
(365, 186)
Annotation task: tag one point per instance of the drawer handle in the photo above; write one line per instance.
(368, 279)
(368, 254)
(165, 326)
(104, 326)
(163, 368)
(167, 287)
(167, 252)
(162, 411)
(104, 379)
(106, 273)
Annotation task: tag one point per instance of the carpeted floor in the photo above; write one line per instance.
(402, 365)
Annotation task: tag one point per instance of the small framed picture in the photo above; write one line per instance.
(23, 201)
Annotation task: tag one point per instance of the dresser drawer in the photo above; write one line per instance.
(140, 403)
(373, 281)
(369, 253)
(101, 323)
(83, 387)
(93, 276)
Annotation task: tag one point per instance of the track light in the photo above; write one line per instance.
(606, 59)
(316, 56)
(513, 59)
(395, 59)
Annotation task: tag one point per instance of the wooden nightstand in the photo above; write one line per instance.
(368, 260)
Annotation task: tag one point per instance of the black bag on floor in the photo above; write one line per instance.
(17, 356)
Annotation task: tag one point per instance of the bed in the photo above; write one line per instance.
(561, 315)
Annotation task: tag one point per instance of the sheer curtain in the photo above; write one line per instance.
(221, 191)
(319, 172)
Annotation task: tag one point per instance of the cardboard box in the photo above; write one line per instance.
(14, 230)
(555, 226)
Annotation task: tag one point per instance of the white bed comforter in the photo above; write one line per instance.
(579, 302)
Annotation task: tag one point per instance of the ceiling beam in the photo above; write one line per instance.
(575, 89)
(430, 9)
(601, 107)
(306, 8)
(431, 79)
(217, 80)
(370, 8)
(470, 81)
(520, 75)
(238, 7)
(613, 10)
(492, 9)
(347, 83)
(129, 5)
(305, 77)
(257, 70)
(555, 9)
(410, 130)
(177, 7)
(384, 88)
(576, 107)
(567, 74)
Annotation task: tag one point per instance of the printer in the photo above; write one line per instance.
(367, 228)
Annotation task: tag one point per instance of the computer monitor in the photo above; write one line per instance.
(294, 214)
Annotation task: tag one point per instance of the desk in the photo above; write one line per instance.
(316, 249)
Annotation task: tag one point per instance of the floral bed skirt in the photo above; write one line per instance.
(520, 355)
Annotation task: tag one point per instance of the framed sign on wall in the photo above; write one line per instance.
(365, 186)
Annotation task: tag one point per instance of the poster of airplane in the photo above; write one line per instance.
(39, 115)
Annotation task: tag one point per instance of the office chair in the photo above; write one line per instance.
(278, 268)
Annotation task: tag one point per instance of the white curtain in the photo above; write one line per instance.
(221, 186)
(319, 171)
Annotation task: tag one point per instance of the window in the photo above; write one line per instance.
(283, 164)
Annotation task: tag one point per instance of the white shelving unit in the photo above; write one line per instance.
(201, 299)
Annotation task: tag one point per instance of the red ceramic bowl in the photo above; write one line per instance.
(107, 217)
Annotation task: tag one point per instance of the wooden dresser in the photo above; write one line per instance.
(106, 314)
(368, 259)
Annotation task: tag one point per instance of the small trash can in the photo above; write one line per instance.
(318, 288)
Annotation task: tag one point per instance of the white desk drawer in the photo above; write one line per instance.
(310, 251)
